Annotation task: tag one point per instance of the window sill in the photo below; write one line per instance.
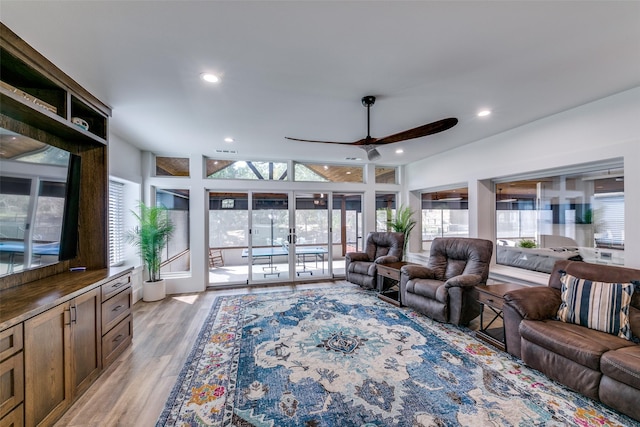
(501, 273)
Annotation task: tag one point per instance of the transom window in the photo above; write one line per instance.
(327, 173)
(241, 169)
(172, 166)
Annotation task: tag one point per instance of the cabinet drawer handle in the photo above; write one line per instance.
(117, 308)
(118, 338)
(489, 299)
(117, 285)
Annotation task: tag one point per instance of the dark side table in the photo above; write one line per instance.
(493, 297)
(391, 271)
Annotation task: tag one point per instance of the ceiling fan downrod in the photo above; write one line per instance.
(368, 101)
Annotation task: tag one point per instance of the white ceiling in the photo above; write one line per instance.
(300, 68)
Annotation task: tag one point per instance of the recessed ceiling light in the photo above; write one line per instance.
(484, 113)
(211, 78)
(229, 139)
(326, 167)
(399, 151)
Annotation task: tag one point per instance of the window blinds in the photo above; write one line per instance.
(116, 223)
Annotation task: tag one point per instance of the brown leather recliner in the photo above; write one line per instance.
(380, 248)
(596, 364)
(444, 290)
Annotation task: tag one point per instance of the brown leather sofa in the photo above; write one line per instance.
(380, 247)
(444, 290)
(599, 365)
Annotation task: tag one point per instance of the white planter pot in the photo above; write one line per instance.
(153, 291)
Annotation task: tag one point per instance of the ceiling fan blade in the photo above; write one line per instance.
(323, 142)
(420, 131)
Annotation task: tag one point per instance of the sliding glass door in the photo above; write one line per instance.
(347, 228)
(228, 238)
(269, 238)
(311, 238)
(261, 237)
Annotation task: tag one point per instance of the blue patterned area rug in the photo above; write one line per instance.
(341, 357)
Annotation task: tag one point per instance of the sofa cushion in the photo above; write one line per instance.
(623, 365)
(596, 305)
(582, 345)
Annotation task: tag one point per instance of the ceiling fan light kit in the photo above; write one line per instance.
(372, 153)
(369, 144)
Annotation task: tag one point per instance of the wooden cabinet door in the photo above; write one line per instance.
(47, 357)
(86, 339)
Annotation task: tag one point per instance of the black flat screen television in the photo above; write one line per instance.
(39, 203)
(69, 233)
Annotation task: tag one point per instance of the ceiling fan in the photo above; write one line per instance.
(369, 144)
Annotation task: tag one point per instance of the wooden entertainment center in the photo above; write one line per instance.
(59, 329)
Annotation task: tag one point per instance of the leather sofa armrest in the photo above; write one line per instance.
(386, 259)
(357, 256)
(464, 281)
(534, 303)
(409, 272)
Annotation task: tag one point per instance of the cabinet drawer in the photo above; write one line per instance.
(115, 309)
(10, 341)
(114, 286)
(116, 340)
(392, 274)
(15, 418)
(490, 300)
(11, 383)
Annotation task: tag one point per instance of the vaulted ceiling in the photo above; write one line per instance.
(300, 68)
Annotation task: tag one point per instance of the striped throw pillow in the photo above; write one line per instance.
(597, 305)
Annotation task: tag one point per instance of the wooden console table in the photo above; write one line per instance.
(493, 297)
(390, 271)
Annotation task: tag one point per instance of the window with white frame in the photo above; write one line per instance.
(444, 213)
(575, 214)
(385, 210)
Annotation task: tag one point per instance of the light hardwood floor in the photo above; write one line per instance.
(133, 390)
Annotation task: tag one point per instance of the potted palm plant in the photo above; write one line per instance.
(403, 223)
(151, 237)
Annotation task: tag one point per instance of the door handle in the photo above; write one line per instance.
(74, 317)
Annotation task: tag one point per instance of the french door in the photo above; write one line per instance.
(258, 237)
(289, 237)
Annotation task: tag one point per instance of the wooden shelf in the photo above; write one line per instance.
(391, 296)
(494, 336)
(97, 122)
(37, 93)
(20, 109)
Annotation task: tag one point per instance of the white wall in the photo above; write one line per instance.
(605, 129)
(125, 160)
(125, 166)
